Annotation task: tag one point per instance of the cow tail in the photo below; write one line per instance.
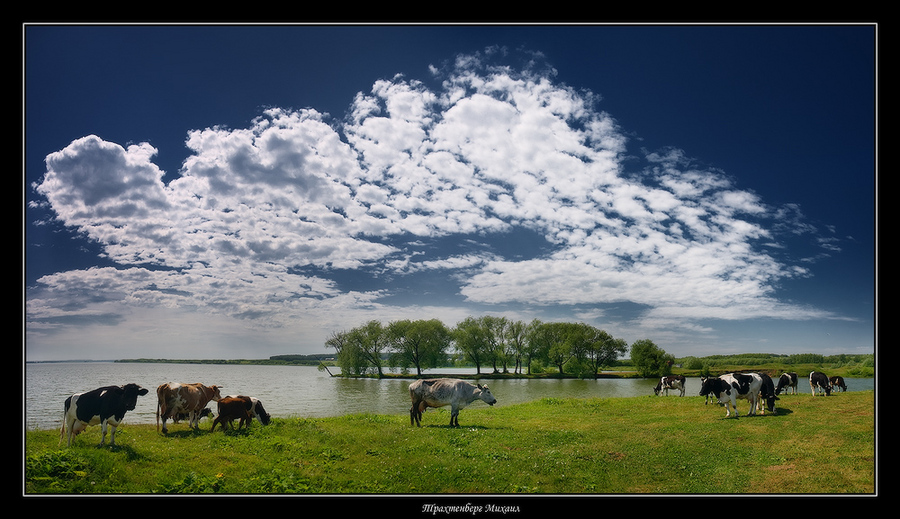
(157, 415)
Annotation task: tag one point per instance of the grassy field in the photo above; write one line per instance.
(640, 445)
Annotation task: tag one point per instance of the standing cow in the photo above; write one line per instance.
(818, 381)
(836, 382)
(104, 406)
(732, 386)
(233, 408)
(787, 380)
(672, 382)
(174, 398)
(438, 392)
(256, 409)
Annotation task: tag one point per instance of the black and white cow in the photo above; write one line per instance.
(673, 382)
(104, 406)
(730, 387)
(837, 381)
(818, 381)
(767, 395)
(787, 380)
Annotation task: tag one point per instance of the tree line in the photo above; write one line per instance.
(497, 343)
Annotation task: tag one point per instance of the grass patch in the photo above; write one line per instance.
(669, 445)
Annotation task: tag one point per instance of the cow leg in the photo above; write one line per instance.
(103, 426)
(454, 416)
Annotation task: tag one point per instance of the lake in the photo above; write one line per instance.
(299, 391)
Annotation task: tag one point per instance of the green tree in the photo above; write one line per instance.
(368, 342)
(650, 360)
(495, 334)
(517, 339)
(421, 344)
(470, 338)
(601, 349)
(349, 357)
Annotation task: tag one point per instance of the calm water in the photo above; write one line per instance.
(301, 391)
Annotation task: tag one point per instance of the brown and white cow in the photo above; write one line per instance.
(174, 398)
(670, 382)
(256, 409)
(233, 408)
(818, 381)
(438, 392)
(104, 406)
(837, 381)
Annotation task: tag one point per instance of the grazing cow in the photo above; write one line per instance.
(819, 380)
(729, 387)
(104, 406)
(438, 392)
(256, 409)
(837, 382)
(671, 382)
(787, 380)
(767, 395)
(186, 416)
(232, 408)
(174, 398)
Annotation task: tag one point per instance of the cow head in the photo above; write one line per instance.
(260, 411)
(216, 396)
(716, 386)
(132, 392)
(486, 395)
(769, 402)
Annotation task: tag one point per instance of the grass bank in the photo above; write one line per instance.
(640, 445)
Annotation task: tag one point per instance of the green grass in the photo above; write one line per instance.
(641, 445)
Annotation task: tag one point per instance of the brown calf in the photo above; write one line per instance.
(231, 408)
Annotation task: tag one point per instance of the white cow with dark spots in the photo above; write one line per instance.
(730, 387)
(439, 392)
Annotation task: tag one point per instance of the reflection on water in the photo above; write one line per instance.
(295, 390)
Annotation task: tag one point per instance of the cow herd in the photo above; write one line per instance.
(107, 405)
(757, 388)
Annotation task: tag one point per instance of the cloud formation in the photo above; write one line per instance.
(260, 222)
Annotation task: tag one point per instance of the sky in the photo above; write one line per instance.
(244, 191)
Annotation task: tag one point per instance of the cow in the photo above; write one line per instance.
(767, 395)
(787, 380)
(671, 382)
(837, 382)
(731, 386)
(105, 406)
(186, 416)
(819, 380)
(174, 398)
(256, 409)
(233, 408)
(438, 392)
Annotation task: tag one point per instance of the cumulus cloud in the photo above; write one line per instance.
(259, 219)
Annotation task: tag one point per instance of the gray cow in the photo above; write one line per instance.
(438, 392)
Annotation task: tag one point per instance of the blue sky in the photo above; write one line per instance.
(245, 191)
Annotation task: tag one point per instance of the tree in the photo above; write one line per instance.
(602, 349)
(495, 334)
(422, 344)
(650, 360)
(368, 342)
(517, 339)
(349, 356)
(470, 339)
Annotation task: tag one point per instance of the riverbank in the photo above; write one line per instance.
(812, 445)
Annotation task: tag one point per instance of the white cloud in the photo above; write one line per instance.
(490, 151)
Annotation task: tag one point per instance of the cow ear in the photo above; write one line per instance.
(143, 391)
